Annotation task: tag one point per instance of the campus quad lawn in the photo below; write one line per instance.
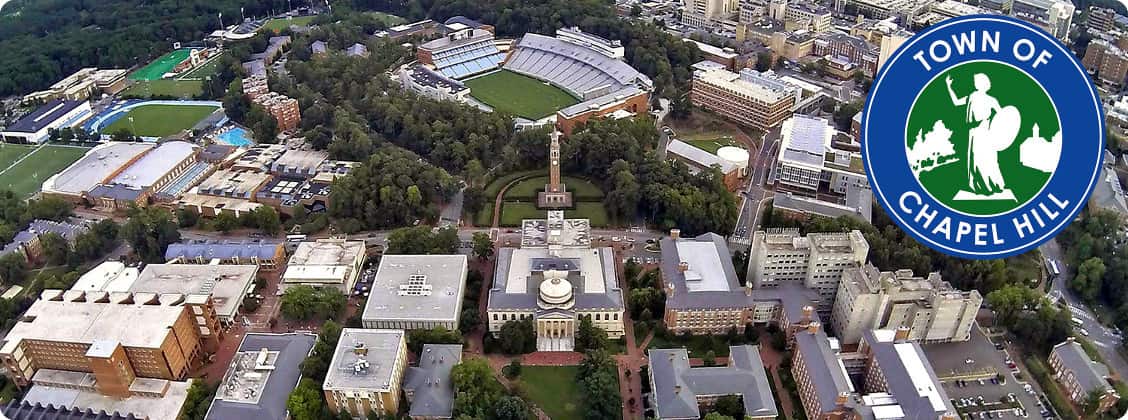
(554, 389)
(581, 189)
(513, 212)
(164, 87)
(160, 120)
(277, 25)
(517, 94)
(712, 145)
(27, 177)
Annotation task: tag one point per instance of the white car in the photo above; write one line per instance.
(969, 361)
(1083, 331)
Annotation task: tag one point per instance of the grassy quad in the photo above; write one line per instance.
(513, 212)
(277, 25)
(554, 389)
(27, 177)
(712, 145)
(581, 189)
(160, 120)
(517, 94)
(10, 153)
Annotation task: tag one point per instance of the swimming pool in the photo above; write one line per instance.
(237, 136)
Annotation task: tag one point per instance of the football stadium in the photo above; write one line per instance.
(539, 79)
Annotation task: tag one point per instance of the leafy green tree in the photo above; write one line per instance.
(469, 320)
(476, 389)
(717, 416)
(187, 217)
(305, 402)
(267, 220)
(199, 398)
(149, 231)
(226, 221)
(307, 302)
(438, 335)
(421, 240)
(13, 268)
(763, 61)
(517, 337)
(1087, 282)
(729, 405)
(589, 336)
(599, 386)
(483, 246)
(55, 248)
(710, 358)
(511, 408)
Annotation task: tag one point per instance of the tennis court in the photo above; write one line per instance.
(162, 65)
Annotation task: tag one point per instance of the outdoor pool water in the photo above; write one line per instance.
(237, 136)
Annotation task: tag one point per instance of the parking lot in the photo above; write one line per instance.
(967, 369)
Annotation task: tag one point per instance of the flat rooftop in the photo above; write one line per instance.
(43, 116)
(556, 230)
(166, 407)
(155, 164)
(87, 322)
(762, 86)
(227, 284)
(109, 276)
(417, 287)
(266, 368)
(365, 359)
(296, 161)
(211, 201)
(94, 167)
(236, 183)
(327, 252)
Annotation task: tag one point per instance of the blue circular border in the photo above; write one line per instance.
(1065, 80)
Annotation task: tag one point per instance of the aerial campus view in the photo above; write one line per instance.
(517, 209)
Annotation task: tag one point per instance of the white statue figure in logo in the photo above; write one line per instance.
(993, 129)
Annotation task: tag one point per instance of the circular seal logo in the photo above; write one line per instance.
(963, 135)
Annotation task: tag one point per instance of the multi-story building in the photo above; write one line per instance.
(821, 381)
(416, 292)
(268, 256)
(819, 171)
(930, 308)
(335, 263)
(792, 45)
(427, 386)
(800, 15)
(1107, 63)
(283, 108)
(255, 86)
(856, 49)
(704, 296)
(431, 84)
(751, 98)
(815, 261)
(146, 177)
(117, 343)
(1055, 16)
(1081, 375)
(705, 13)
(553, 279)
(1101, 19)
(899, 378)
(366, 371)
(679, 390)
(905, 10)
(462, 53)
(27, 241)
(80, 85)
(264, 370)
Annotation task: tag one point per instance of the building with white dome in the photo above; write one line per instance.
(554, 278)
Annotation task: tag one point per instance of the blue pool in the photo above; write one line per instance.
(237, 136)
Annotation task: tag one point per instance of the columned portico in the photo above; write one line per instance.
(556, 333)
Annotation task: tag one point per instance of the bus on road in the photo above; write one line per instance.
(1052, 268)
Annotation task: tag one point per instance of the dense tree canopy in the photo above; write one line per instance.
(392, 188)
(421, 240)
(149, 231)
(43, 41)
(307, 302)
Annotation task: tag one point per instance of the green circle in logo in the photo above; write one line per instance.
(983, 138)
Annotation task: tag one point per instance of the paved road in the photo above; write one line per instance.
(452, 212)
(1104, 338)
(755, 195)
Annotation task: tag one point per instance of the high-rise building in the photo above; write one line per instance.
(1107, 62)
(856, 49)
(816, 261)
(702, 13)
(1055, 16)
(751, 98)
(1102, 19)
(930, 308)
(283, 108)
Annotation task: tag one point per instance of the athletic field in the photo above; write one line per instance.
(277, 25)
(160, 120)
(517, 94)
(161, 65)
(164, 87)
(27, 176)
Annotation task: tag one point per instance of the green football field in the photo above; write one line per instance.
(27, 177)
(517, 94)
(160, 120)
(164, 87)
(277, 25)
(161, 65)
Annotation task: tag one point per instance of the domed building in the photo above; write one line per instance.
(554, 278)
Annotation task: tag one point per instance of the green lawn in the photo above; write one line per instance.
(554, 389)
(160, 120)
(517, 94)
(27, 177)
(388, 19)
(494, 187)
(277, 25)
(581, 189)
(9, 153)
(209, 68)
(161, 65)
(164, 87)
(712, 144)
(513, 212)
